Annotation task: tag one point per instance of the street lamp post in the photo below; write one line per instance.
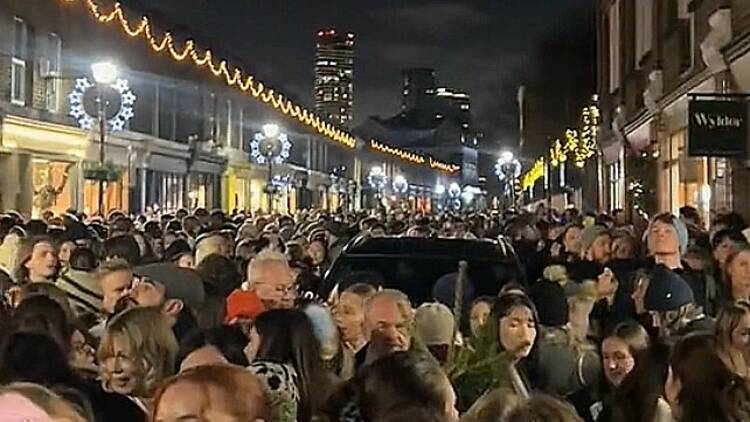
(508, 169)
(377, 180)
(105, 73)
(269, 146)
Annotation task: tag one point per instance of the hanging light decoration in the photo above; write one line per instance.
(85, 120)
(400, 185)
(377, 178)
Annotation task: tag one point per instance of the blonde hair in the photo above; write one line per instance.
(112, 266)
(57, 408)
(213, 243)
(152, 344)
(237, 388)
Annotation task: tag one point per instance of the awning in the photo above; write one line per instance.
(20, 133)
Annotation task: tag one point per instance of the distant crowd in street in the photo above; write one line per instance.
(211, 316)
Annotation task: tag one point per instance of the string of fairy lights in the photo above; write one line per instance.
(241, 80)
(579, 146)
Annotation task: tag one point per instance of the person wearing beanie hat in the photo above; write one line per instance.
(668, 300)
(435, 325)
(667, 240)
(551, 303)
(596, 244)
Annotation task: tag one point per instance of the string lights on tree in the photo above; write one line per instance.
(578, 145)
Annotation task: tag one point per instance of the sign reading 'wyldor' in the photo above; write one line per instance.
(718, 128)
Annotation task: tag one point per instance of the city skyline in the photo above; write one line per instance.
(492, 46)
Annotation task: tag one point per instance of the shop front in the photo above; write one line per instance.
(682, 179)
(41, 164)
(204, 181)
(119, 158)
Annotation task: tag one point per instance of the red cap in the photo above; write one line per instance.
(243, 305)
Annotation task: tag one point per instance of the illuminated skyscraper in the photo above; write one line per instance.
(334, 76)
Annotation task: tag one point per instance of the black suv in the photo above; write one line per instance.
(413, 265)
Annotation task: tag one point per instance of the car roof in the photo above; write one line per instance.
(473, 249)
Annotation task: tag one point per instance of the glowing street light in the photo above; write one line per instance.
(271, 130)
(105, 73)
(508, 169)
(439, 189)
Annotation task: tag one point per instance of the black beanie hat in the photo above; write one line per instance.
(551, 303)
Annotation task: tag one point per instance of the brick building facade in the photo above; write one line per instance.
(652, 54)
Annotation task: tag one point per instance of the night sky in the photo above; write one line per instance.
(483, 47)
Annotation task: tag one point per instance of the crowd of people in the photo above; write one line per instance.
(214, 317)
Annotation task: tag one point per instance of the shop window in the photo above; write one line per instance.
(50, 71)
(644, 29)
(144, 107)
(52, 186)
(18, 63)
(188, 112)
(167, 111)
(686, 30)
(614, 46)
(615, 183)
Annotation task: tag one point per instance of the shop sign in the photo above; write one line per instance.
(718, 128)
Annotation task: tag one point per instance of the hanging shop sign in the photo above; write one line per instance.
(718, 127)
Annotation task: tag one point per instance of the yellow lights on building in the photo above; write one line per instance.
(402, 154)
(414, 158)
(446, 167)
(535, 173)
(235, 77)
(239, 79)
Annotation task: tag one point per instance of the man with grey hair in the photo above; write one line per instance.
(271, 279)
(209, 244)
(389, 319)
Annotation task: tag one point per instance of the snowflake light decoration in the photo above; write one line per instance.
(400, 185)
(87, 121)
(377, 178)
(276, 149)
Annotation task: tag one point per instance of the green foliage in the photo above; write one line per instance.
(106, 172)
(479, 367)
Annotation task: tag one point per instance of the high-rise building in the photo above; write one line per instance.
(334, 76)
(419, 89)
(424, 100)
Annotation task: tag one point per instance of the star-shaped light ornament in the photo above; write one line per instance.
(86, 121)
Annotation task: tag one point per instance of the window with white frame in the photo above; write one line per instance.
(614, 45)
(18, 63)
(616, 183)
(644, 29)
(50, 71)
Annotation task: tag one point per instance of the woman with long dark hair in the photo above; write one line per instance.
(505, 353)
(286, 355)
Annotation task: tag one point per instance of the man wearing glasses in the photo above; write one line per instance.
(270, 277)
